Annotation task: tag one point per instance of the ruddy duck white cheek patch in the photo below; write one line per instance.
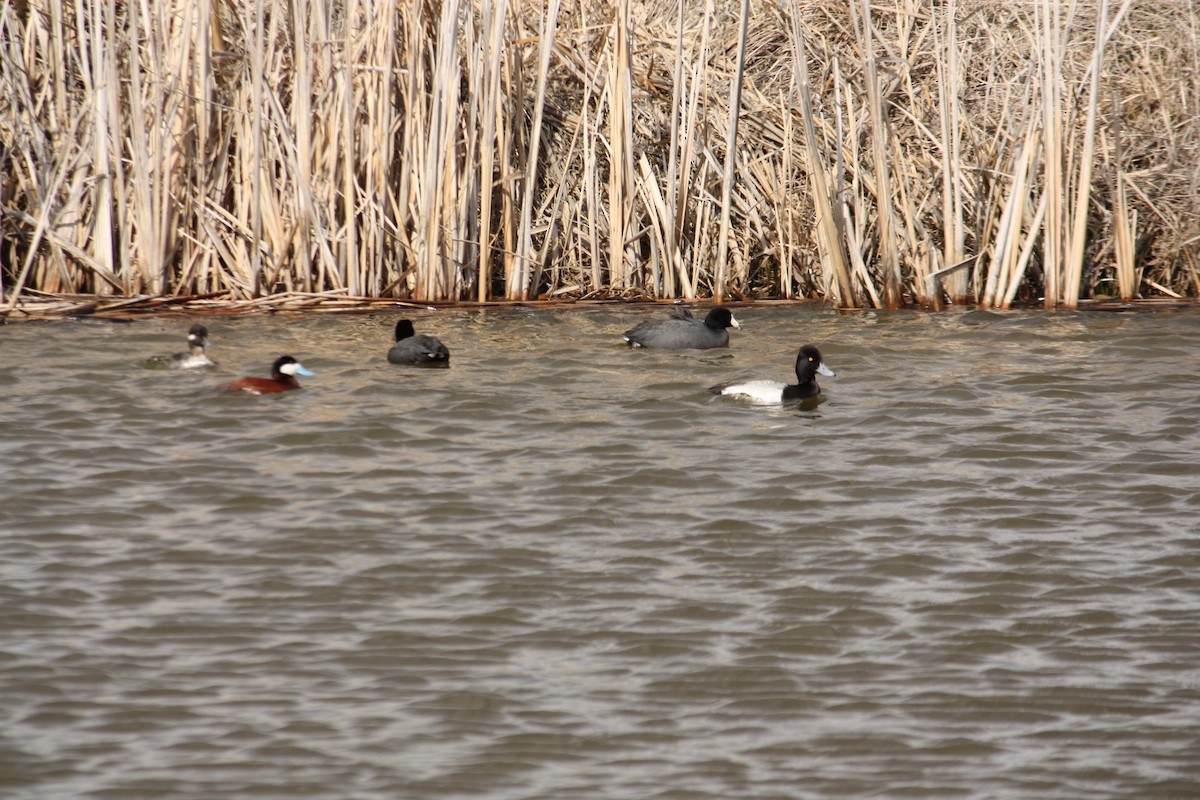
(294, 368)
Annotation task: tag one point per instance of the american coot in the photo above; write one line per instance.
(412, 349)
(283, 377)
(682, 331)
(808, 364)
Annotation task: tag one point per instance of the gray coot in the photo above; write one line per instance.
(413, 349)
(682, 331)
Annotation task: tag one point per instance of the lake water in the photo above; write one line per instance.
(562, 569)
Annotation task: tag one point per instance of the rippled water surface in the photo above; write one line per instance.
(562, 569)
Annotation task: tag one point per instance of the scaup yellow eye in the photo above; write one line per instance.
(808, 365)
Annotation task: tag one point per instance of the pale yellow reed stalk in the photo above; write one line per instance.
(784, 223)
(952, 180)
(668, 207)
(688, 144)
(731, 148)
(490, 114)
(889, 257)
(1048, 26)
(1022, 264)
(1073, 268)
(1124, 222)
(620, 142)
(829, 235)
(104, 92)
(521, 278)
(1006, 246)
(851, 226)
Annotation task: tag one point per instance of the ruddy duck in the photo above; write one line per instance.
(195, 357)
(283, 377)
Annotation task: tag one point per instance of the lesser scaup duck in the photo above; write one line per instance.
(195, 356)
(682, 331)
(413, 349)
(283, 377)
(808, 364)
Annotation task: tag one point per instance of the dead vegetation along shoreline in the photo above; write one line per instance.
(483, 150)
(124, 309)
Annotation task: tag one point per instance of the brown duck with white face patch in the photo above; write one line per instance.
(283, 378)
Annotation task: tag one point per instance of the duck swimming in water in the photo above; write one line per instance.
(808, 364)
(413, 349)
(195, 357)
(283, 378)
(682, 331)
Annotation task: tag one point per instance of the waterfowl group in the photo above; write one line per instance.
(679, 331)
(682, 331)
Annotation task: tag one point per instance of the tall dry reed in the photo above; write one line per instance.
(864, 153)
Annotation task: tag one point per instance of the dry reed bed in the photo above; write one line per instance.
(485, 150)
